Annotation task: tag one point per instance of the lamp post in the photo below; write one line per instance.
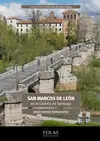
(17, 82)
(45, 63)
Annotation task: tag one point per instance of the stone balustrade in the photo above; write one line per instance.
(31, 79)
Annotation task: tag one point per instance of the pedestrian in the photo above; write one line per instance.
(17, 85)
(13, 67)
(22, 68)
(62, 56)
(38, 62)
(51, 60)
(70, 47)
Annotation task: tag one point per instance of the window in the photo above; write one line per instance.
(27, 30)
(43, 25)
(49, 24)
(64, 17)
(56, 29)
(67, 16)
(60, 24)
(59, 29)
(11, 21)
(17, 29)
(21, 29)
(26, 25)
(71, 16)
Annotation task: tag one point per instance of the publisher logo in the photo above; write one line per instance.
(48, 133)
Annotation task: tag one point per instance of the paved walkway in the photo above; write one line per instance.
(8, 81)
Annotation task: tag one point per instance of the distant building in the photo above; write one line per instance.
(3, 18)
(13, 22)
(69, 15)
(23, 26)
(60, 25)
(50, 22)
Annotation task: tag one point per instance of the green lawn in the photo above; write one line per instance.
(63, 124)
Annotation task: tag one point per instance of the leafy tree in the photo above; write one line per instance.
(72, 30)
(24, 48)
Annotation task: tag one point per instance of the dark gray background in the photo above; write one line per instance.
(74, 109)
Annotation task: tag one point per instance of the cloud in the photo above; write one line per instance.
(12, 9)
(91, 5)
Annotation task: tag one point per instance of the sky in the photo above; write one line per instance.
(9, 8)
(38, 1)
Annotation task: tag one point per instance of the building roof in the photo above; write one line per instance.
(50, 19)
(56, 20)
(42, 21)
(70, 12)
(25, 22)
(13, 18)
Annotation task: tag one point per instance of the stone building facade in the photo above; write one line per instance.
(59, 25)
(69, 15)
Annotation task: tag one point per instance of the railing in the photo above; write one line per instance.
(31, 79)
(34, 78)
(56, 64)
(6, 74)
(56, 55)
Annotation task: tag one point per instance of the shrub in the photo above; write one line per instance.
(53, 123)
(86, 78)
(58, 123)
(90, 100)
(95, 63)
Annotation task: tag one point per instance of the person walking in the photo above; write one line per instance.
(22, 68)
(62, 56)
(70, 47)
(38, 62)
(14, 67)
(51, 60)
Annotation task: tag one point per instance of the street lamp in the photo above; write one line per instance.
(17, 82)
(46, 63)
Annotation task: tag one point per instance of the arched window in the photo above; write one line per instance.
(71, 16)
(74, 16)
(67, 16)
(64, 17)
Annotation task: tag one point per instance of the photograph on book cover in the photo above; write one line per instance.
(49, 63)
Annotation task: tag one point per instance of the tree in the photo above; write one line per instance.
(34, 16)
(72, 28)
(96, 31)
(84, 28)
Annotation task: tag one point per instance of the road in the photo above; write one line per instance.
(8, 83)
